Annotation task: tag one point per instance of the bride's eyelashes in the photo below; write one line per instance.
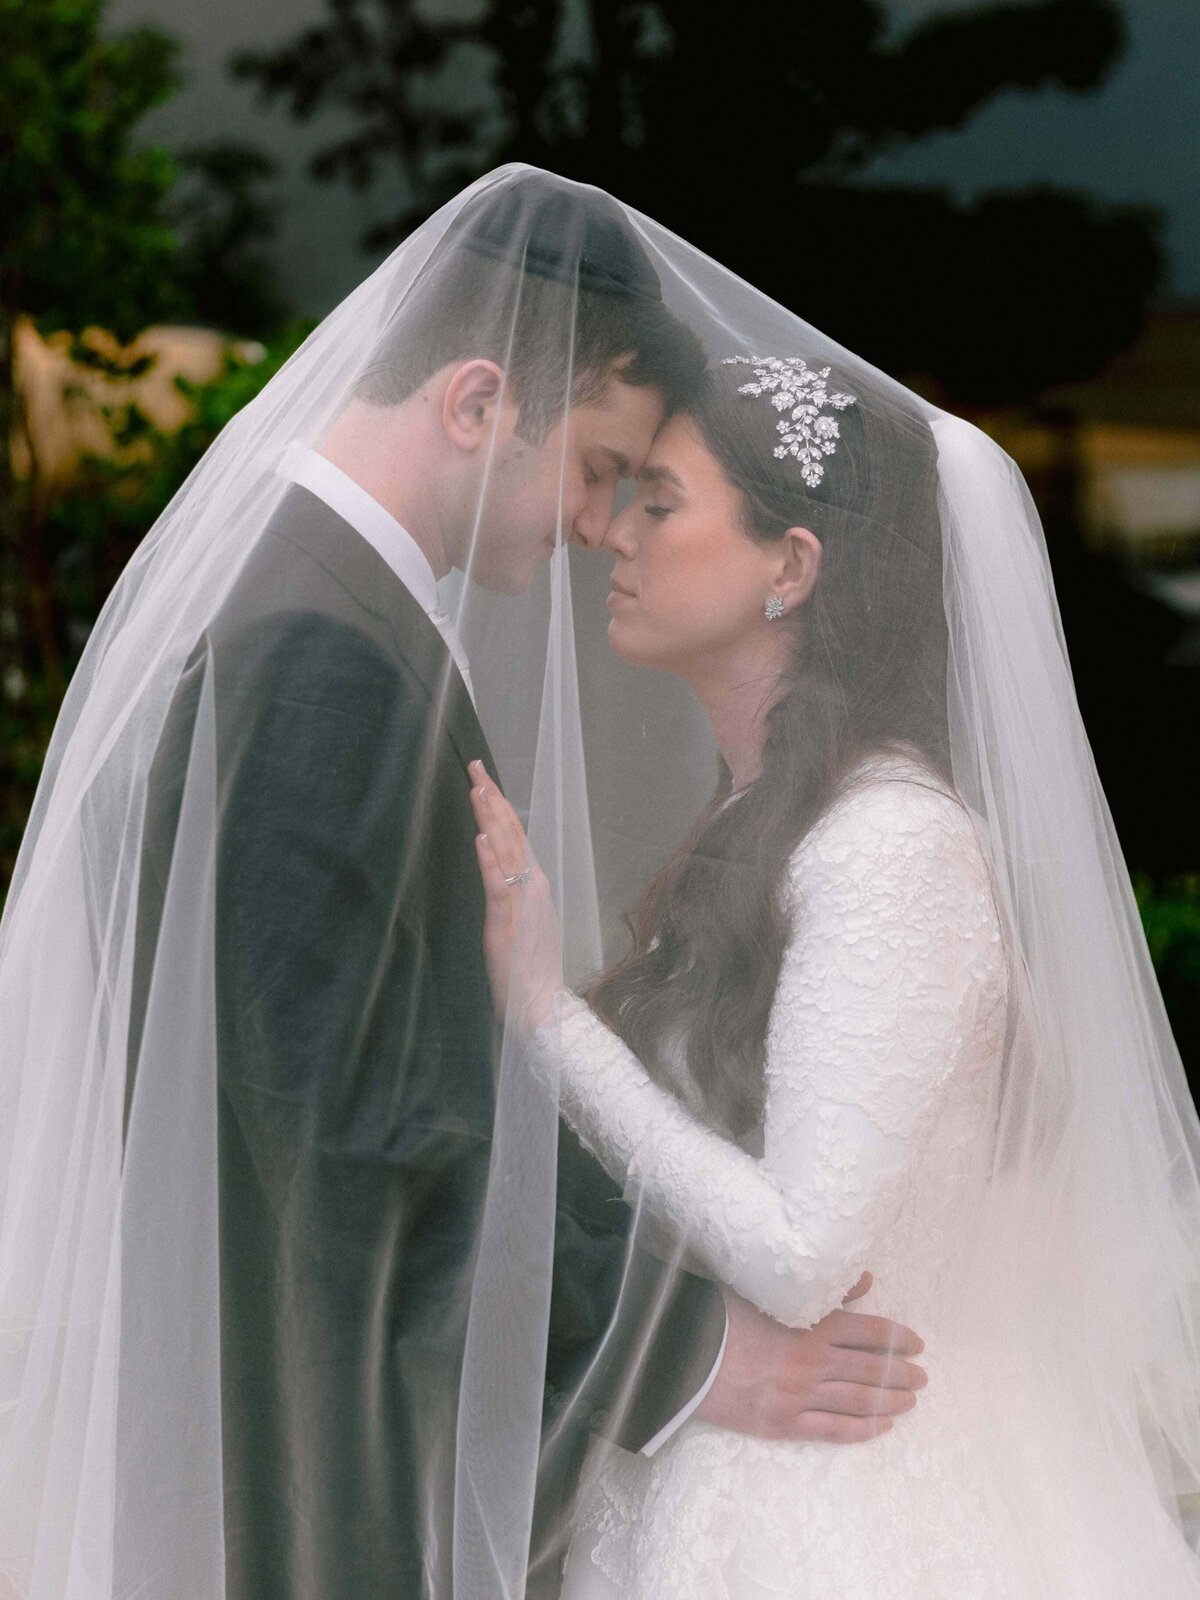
(658, 511)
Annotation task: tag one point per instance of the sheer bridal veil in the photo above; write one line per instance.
(1075, 1267)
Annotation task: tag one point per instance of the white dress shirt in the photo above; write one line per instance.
(377, 525)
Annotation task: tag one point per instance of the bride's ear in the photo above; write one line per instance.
(797, 567)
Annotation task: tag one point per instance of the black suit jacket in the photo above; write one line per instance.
(355, 1090)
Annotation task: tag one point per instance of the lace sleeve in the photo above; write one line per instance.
(893, 959)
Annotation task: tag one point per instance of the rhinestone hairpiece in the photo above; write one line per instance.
(800, 390)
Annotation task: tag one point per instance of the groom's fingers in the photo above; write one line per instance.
(863, 1400)
(856, 1330)
(827, 1427)
(879, 1371)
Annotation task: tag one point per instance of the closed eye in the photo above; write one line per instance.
(658, 511)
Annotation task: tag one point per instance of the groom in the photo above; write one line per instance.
(355, 1036)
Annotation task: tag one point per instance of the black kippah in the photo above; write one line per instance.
(556, 229)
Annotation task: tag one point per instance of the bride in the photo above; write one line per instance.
(798, 1067)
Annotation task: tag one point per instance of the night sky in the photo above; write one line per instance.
(1137, 138)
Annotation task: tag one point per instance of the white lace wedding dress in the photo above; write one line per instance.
(882, 1053)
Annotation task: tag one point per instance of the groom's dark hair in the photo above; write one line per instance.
(522, 277)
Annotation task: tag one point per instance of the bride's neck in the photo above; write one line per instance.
(736, 704)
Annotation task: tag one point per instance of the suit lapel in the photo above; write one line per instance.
(304, 520)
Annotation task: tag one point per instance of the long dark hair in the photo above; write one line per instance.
(867, 673)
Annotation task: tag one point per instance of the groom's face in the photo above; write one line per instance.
(563, 489)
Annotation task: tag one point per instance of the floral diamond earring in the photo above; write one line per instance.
(773, 608)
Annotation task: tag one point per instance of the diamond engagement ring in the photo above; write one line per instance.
(519, 877)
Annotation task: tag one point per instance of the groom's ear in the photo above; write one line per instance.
(799, 565)
(472, 396)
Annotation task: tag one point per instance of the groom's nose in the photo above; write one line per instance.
(590, 522)
(618, 537)
(588, 527)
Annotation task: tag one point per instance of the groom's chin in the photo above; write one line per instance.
(515, 578)
(507, 583)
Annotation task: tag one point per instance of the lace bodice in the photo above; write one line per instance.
(881, 1060)
(883, 1052)
(889, 998)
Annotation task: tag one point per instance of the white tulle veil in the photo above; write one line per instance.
(1076, 1266)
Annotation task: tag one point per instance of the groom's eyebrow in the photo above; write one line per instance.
(619, 461)
(660, 475)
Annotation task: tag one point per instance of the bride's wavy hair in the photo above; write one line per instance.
(867, 672)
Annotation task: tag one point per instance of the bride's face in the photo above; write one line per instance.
(689, 584)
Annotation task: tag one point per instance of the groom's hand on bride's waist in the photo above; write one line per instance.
(841, 1381)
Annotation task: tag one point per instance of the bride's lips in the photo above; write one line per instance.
(618, 592)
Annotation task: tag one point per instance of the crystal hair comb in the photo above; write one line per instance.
(801, 391)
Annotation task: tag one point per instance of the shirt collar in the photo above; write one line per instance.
(377, 525)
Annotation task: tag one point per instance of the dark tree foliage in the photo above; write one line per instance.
(98, 229)
(83, 235)
(83, 240)
(225, 224)
(748, 133)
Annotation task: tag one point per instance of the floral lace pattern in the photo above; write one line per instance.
(890, 987)
(882, 1053)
